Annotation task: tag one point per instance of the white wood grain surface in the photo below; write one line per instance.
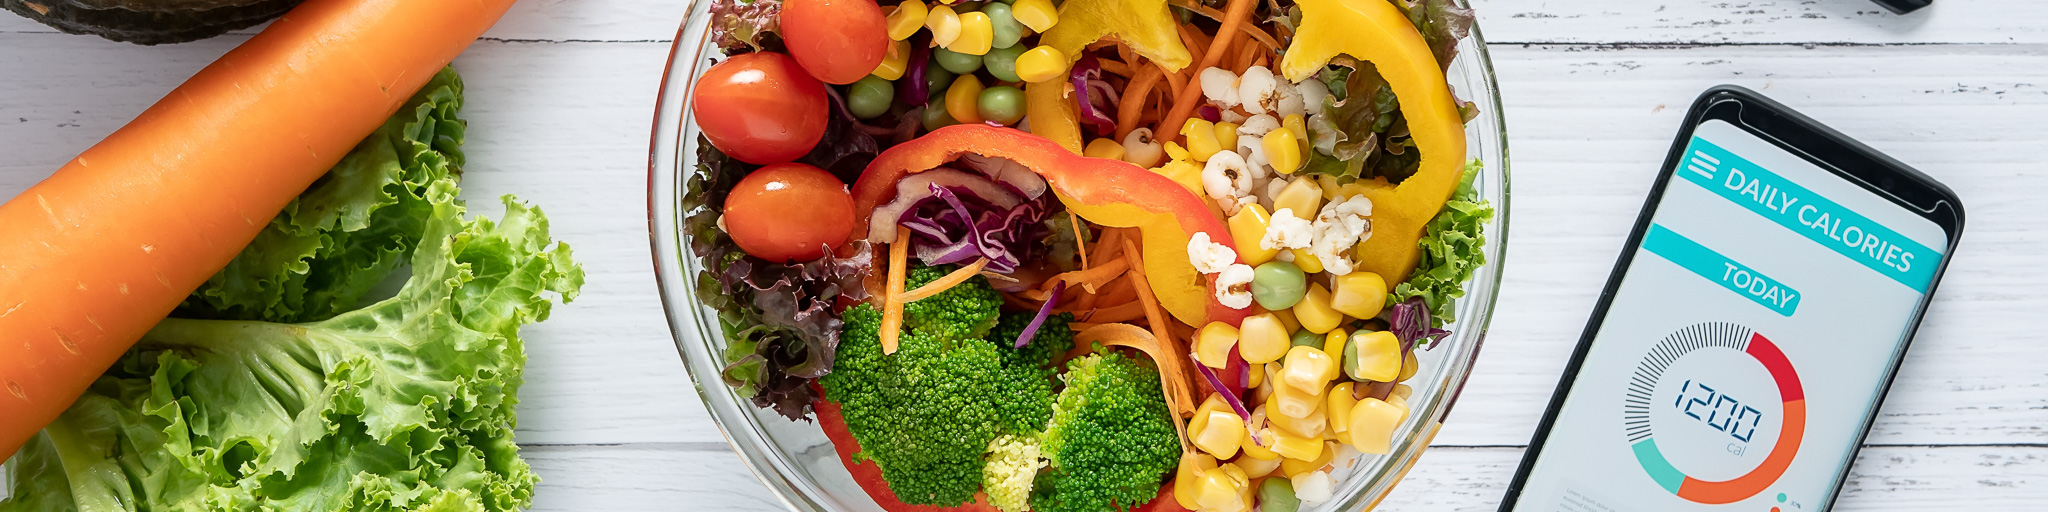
(560, 98)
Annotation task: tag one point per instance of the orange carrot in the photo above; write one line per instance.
(1134, 99)
(1080, 236)
(1083, 302)
(94, 256)
(1125, 312)
(1250, 29)
(892, 299)
(1092, 278)
(944, 283)
(1118, 292)
(1115, 67)
(1234, 15)
(1112, 241)
(1176, 82)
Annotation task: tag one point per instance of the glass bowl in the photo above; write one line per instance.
(797, 462)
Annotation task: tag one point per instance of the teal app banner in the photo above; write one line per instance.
(1825, 222)
(1733, 275)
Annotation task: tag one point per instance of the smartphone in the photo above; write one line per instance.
(1751, 326)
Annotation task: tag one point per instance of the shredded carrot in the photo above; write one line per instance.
(1090, 279)
(1118, 292)
(1246, 55)
(1084, 302)
(1036, 295)
(1174, 81)
(1015, 302)
(1183, 405)
(943, 283)
(1133, 100)
(1234, 16)
(892, 303)
(1249, 29)
(1196, 41)
(1108, 246)
(1080, 237)
(1116, 67)
(1125, 312)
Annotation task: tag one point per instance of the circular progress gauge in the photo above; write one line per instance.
(1701, 402)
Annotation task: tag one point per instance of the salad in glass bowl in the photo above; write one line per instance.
(1082, 255)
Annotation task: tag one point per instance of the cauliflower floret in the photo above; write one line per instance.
(1013, 464)
(1341, 226)
(1209, 257)
(1220, 87)
(1229, 180)
(1291, 103)
(1312, 92)
(1234, 286)
(1313, 487)
(1286, 231)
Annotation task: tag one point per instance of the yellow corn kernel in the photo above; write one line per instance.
(961, 98)
(1223, 488)
(1262, 338)
(1408, 367)
(894, 62)
(1359, 294)
(1295, 123)
(1399, 401)
(1255, 375)
(944, 24)
(1246, 228)
(1313, 425)
(1188, 477)
(1213, 344)
(1305, 198)
(1307, 261)
(1263, 392)
(1104, 148)
(1289, 401)
(1226, 135)
(1255, 467)
(1286, 317)
(1372, 425)
(906, 19)
(1314, 309)
(1403, 391)
(1282, 151)
(1217, 432)
(1291, 467)
(1373, 356)
(977, 34)
(1255, 450)
(1297, 448)
(1333, 343)
(1201, 138)
(1309, 370)
(1337, 407)
(1042, 64)
(1037, 15)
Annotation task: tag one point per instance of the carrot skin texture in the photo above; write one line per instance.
(92, 257)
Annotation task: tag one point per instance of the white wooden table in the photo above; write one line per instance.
(560, 99)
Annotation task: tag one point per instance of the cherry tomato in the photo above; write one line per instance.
(760, 108)
(789, 212)
(838, 41)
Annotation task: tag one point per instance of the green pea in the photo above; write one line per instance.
(935, 117)
(1006, 27)
(956, 62)
(1002, 104)
(936, 80)
(1002, 63)
(1278, 284)
(1277, 495)
(1353, 366)
(870, 97)
(1306, 338)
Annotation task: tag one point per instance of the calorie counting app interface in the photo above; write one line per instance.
(1746, 343)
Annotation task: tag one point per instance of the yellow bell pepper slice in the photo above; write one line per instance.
(1144, 25)
(1052, 113)
(1378, 33)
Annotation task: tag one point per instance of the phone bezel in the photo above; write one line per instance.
(1789, 130)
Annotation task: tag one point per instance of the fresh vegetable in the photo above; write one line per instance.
(1103, 191)
(739, 26)
(1377, 32)
(1111, 440)
(760, 108)
(788, 212)
(99, 252)
(406, 404)
(870, 97)
(1145, 26)
(322, 255)
(1453, 248)
(836, 41)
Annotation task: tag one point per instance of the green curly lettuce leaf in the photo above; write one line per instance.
(1453, 245)
(404, 405)
(353, 228)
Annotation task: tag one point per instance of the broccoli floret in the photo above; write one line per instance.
(1012, 463)
(961, 312)
(1028, 374)
(925, 414)
(1111, 440)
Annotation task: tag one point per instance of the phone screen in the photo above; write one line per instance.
(1747, 344)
